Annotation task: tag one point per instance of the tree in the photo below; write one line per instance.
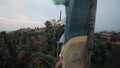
(48, 23)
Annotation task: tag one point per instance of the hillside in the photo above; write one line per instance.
(38, 48)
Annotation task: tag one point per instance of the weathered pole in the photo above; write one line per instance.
(60, 14)
(91, 24)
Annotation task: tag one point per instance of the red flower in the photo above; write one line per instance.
(39, 44)
(25, 54)
(28, 36)
(21, 60)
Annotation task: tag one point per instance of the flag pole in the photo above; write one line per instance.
(91, 26)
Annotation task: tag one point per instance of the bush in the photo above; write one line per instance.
(18, 50)
(101, 51)
(29, 49)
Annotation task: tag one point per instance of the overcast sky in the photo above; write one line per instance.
(33, 13)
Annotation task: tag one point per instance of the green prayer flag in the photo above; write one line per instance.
(57, 2)
(78, 15)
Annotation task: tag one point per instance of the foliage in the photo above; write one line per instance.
(30, 49)
(47, 60)
(101, 51)
(50, 36)
(48, 23)
(18, 50)
(34, 49)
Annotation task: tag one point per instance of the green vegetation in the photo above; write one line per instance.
(31, 49)
(101, 53)
(38, 48)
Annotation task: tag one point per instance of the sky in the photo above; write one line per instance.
(16, 14)
(108, 15)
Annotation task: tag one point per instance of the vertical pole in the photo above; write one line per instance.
(91, 25)
(60, 15)
(23, 26)
(58, 43)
